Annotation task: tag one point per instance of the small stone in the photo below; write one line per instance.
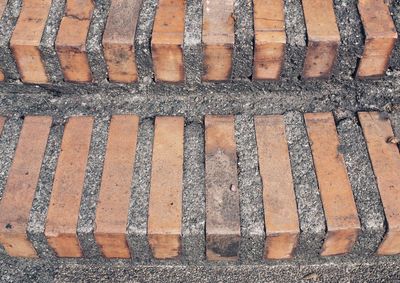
(393, 139)
(233, 188)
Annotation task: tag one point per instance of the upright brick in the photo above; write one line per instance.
(323, 38)
(280, 210)
(62, 217)
(26, 39)
(20, 188)
(218, 38)
(71, 41)
(165, 202)
(167, 41)
(270, 39)
(118, 38)
(380, 38)
(222, 191)
(115, 191)
(385, 159)
(334, 185)
(2, 121)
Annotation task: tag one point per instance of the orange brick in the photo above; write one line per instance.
(380, 39)
(167, 41)
(26, 39)
(218, 39)
(80, 9)
(385, 161)
(3, 4)
(334, 185)
(280, 209)
(119, 35)
(222, 191)
(113, 203)
(1, 76)
(323, 38)
(21, 185)
(71, 49)
(2, 121)
(62, 217)
(270, 39)
(165, 202)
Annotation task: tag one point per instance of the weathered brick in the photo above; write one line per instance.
(115, 191)
(280, 210)
(270, 39)
(167, 41)
(222, 191)
(165, 201)
(26, 39)
(380, 38)
(19, 192)
(218, 38)
(385, 159)
(334, 185)
(118, 38)
(323, 38)
(62, 217)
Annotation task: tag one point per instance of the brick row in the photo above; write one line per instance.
(218, 40)
(223, 214)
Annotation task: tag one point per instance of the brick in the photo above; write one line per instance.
(26, 39)
(280, 209)
(334, 185)
(80, 9)
(165, 201)
(71, 49)
(385, 159)
(270, 39)
(20, 188)
(115, 191)
(62, 217)
(118, 39)
(167, 41)
(222, 191)
(2, 121)
(218, 38)
(380, 38)
(323, 38)
(3, 4)
(1, 76)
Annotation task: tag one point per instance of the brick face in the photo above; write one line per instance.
(334, 185)
(62, 217)
(19, 192)
(113, 203)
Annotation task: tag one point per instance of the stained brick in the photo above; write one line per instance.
(167, 41)
(222, 191)
(323, 38)
(118, 40)
(270, 39)
(380, 38)
(218, 39)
